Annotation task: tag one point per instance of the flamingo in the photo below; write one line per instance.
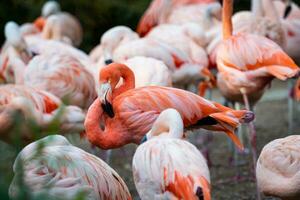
(167, 167)
(279, 159)
(53, 167)
(62, 75)
(189, 38)
(58, 25)
(247, 63)
(255, 21)
(179, 12)
(33, 45)
(128, 113)
(37, 106)
(109, 41)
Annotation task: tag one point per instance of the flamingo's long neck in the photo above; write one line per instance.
(168, 121)
(270, 10)
(256, 8)
(226, 18)
(104, 139)
(17, 64)
(128, 80)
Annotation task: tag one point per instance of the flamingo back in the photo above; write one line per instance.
(62, 75)
(55, 167)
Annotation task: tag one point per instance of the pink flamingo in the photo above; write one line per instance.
(53, 167)
(167, 167)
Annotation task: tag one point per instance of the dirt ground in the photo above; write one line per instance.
(271, 123)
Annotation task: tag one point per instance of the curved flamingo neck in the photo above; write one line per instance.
(128, 79)
(226, 18)
(104, 139)
(170, 122)
(256, 8)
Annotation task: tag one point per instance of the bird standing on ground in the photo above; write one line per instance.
(167, 167)
(247, 63)
(54, 168)
(128, 114)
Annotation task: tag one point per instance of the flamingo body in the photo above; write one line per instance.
(63, 171)
(168, 167)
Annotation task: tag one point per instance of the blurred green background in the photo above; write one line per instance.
(95, 16)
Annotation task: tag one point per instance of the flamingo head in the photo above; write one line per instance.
(108, 81)
(50, 8)
(13, 35)
(113, 38)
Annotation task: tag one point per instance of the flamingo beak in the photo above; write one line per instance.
(144, 139)
(288, 9)
(105, 96)
(108, 61)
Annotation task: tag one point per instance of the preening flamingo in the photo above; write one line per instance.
(247, 63)
(178, 12)
(280, 160)
(58, 25)
(62, 75)
(109, 41)
(53, 167)
(167, 167)
(38, 107)
(128, 114)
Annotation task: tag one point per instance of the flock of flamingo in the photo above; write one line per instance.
(147, 87)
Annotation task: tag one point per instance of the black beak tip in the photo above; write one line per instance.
(108, 109)
(144, 139)
(287, 11)
(108, 61)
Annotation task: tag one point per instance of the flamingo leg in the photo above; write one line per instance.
(108, 156)
(290, 107)
(252, 132)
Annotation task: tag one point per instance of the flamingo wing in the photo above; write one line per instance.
(246, 52)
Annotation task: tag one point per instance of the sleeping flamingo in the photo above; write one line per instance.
(280, 160)
(57, 25)
(167, 167)
(56, 169)
(128, 114)
(247, 64)
(39, 108)
(202, 12)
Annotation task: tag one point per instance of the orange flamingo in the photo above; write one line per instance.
(247, 64)
(128, 114)
(55, 168)
(167, 167)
